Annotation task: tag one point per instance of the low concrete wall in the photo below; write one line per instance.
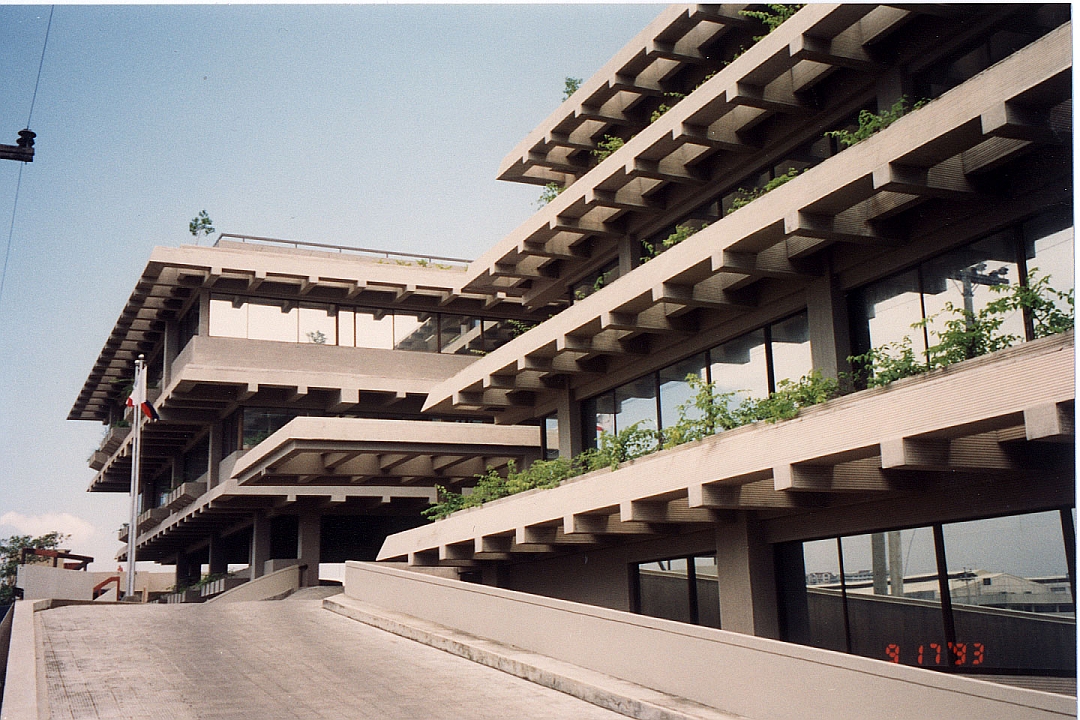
(266, 587)
(750, 676)
(23, 699)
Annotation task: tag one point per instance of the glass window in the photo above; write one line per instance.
(824, 596)
(317, 324)
(602, 415)
(346, 327)
(273, 320)
(461, 334)
(675, 391)
(683, 589)
(1012, 602)
(417, 331)
(635, 402)
(1048, 242)
(885, 311)
(374, 329)
(189, 325)
(738, 367)
(966, 277)
(260, 423)
(550, 429)
(790, 345)
(196, 460)
(228, 316)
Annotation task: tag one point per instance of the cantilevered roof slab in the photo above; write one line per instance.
(349, 451)
(1001, 425)
(172, 275)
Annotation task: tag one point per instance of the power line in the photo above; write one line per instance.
(41, 64)
(11, 232)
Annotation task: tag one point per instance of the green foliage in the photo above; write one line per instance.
(745, 197)
(520, 327)
(318, 337)
(872, 123)
(201, 226)
(549, 193)
(605, 147)
(960, 334)
(773, 17)
(572, 85)
(9, 558)
(681, 233)
(664, 107)
(712, 412)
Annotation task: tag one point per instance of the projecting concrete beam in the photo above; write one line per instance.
(1054, 422)
(857, 476)
(924, 182)
(664, 511)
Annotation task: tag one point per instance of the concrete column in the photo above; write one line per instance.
(629, 254)
(877, 564)
(568, 414)
(307, 546)
(169, 351)
(214, 455)
(216, 552)
(259, 552)
(747, 579)
(185, 569)
(830, 337)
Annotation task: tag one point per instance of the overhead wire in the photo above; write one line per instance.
(18, 183)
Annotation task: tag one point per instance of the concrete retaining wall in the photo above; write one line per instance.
(750, 676)
(266, 587)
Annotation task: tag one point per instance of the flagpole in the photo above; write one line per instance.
(138, 395)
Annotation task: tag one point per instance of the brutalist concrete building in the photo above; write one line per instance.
(743, 197)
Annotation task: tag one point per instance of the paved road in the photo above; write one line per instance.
(270, 660)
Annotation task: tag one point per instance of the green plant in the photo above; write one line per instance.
(201, 226)
(872, 123)
(745, 197)
(773, 17)
(423, 262)
(572, 85)
(606, 146)
(318, 337)
(549, 193)
(11, 547)
(960, 334)
(520, 327)
(680, 233)
(664, 107)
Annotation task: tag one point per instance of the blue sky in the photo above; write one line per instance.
(365, 125)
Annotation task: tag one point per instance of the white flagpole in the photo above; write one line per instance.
(138, 395)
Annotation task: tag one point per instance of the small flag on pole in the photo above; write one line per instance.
(138, 398)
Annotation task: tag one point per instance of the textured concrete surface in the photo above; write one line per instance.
(269, 660)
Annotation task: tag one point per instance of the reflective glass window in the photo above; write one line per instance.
(824, 595)
(1048, 244)
(261, 423)
(1012, 602)
(664, 590)
(886, 312)
(317, 324)
(966, 278)
(635, 402)
(273, 320)
(738, 367)
(374, 329)
(790, 344)
(675, 391)
(893, 600)
(603, 407)
(418, 331)
(228, 316)
(196, 460)
(346, 327)
(461, 334)
(550, 428)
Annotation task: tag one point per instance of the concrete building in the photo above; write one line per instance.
(735, 204)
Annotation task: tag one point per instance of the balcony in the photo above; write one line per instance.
(184, 495)
(122, 533)
(150, 518)
(114, 438)
(97, 460)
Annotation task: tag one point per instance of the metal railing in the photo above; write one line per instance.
(371, 252)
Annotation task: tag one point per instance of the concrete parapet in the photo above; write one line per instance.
(25, 697)
(267, 587)
(741, 674)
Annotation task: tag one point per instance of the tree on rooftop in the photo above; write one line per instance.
(201, 225)
(9, 558)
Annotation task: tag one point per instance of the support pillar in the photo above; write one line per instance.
(568, 414)
(216, 556)
(629, 254)
(308, 541)
(830, 337)
(184, 571)
(259, 551)
(746, 578)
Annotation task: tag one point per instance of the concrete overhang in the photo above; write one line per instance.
(349, 451)
(765, 80)
(837, 201)
(173, 275)
(1001, 425)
